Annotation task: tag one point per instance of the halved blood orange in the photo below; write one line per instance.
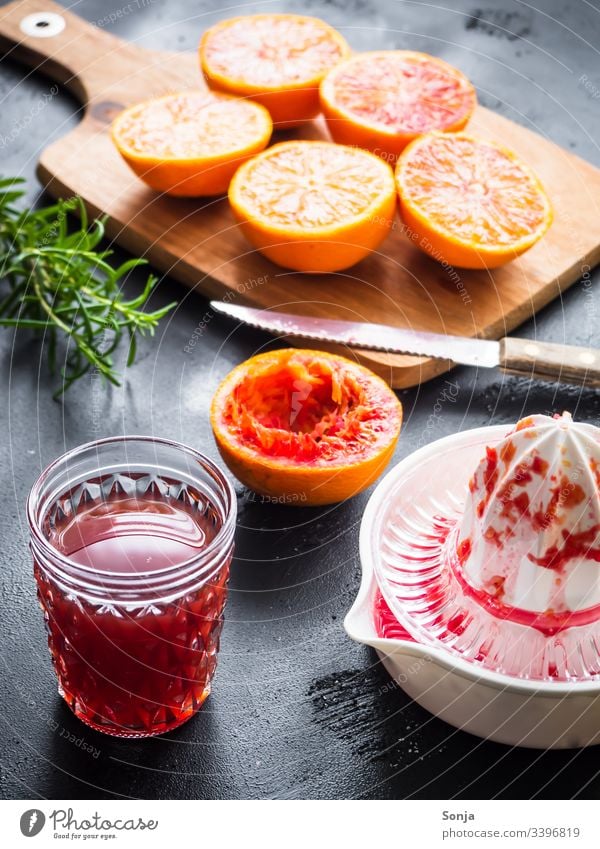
(383, 99)
(470, 202)
(305, 427)
(314, 206)
(277, 60)
(190, 144)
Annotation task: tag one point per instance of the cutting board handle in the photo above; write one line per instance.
(82, 56)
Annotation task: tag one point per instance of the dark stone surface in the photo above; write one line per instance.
(298, 709)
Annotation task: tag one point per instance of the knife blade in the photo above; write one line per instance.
(524, 357)
(373, 337)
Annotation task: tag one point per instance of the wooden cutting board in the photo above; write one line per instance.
(198, 242)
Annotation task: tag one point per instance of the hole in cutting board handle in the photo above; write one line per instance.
(42, 24)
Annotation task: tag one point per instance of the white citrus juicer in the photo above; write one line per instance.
(529, 540)
(490, 580)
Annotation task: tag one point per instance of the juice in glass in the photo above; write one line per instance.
(132, 539)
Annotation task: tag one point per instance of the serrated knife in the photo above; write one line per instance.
(525, 357)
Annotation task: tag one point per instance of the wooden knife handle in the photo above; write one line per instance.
(83, 56)
(548, 361)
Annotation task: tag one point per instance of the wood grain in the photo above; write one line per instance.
(199, 243)
(550, 361)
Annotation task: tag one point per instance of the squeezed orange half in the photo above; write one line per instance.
(305, 427)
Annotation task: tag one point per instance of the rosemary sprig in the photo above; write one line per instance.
(54, 281)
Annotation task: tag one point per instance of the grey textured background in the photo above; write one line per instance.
(298, 710)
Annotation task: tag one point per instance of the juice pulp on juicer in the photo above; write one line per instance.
(506, 576)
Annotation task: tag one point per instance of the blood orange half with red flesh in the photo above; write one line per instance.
(305, 427)
(382, 100)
